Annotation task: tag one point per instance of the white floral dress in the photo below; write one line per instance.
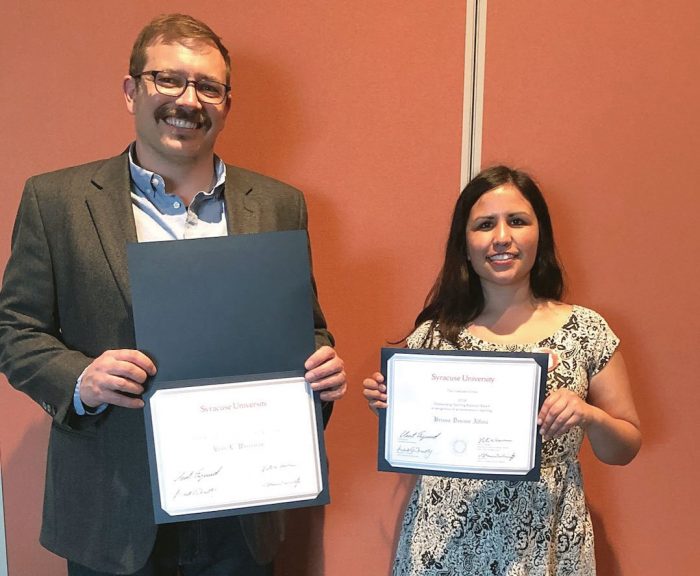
(455, 526)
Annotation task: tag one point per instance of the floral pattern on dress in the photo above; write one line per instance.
(464, 527)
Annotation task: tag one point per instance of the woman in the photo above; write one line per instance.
(500, 289)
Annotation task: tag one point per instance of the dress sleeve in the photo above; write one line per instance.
(603, 344)
(418, 336)
(428, 336)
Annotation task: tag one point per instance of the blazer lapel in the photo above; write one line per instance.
(109, 202)
(242, 209)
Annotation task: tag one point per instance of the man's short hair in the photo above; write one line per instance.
(171, 28)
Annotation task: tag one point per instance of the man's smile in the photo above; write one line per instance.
(181, 117)
(180, 123)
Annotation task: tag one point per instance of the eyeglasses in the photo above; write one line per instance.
(173, 84)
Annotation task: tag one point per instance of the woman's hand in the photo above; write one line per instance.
(609, 416)
(561, 411)
(375, 391)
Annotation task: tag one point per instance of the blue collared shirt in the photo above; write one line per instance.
(162, 216)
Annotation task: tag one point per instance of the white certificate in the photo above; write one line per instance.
(467, 414)
(235, 445)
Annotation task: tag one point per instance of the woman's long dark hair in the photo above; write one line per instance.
(457, 297)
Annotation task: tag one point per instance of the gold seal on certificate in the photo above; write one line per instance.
(471, 414)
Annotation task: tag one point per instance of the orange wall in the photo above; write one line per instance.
(337, 98)
(359, 104)
(600, 100)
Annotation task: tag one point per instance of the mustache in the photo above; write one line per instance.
(170, 110)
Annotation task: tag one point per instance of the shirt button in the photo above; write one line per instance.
(176, 204)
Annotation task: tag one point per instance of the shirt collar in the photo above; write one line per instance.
(152, 185)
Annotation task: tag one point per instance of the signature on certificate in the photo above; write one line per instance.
(274, 467)
(293, 482)
(418, 435)
(198, 475)
(496, 456)
(414, 451)
(193, 492)
(495, 449)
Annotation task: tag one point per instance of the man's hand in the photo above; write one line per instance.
(325, 371)
(113, 375)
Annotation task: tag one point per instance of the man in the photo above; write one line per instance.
(66, 326)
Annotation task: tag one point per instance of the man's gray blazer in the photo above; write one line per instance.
(65, 300)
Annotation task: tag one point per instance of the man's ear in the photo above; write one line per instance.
(129, 87)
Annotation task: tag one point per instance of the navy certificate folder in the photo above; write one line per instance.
(225, 306)
(226, 309)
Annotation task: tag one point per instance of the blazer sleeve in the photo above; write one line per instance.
(322, 335)
(32, 354)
